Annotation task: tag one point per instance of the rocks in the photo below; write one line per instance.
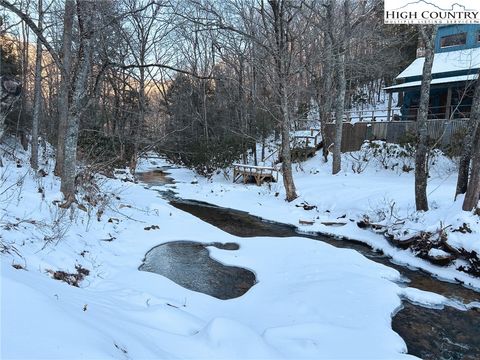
(430, 246)
(306, 206)
(152, 227)
(306, 222)
(473, 260)
(439, 257)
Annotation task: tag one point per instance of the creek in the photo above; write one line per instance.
(437, 334)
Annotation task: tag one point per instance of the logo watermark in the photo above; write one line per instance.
(432, 12)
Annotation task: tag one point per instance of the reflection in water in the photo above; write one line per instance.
(243, 224)
(446, 334)
(434, 334)
(189, 265)
(156, 177)
(234, 222)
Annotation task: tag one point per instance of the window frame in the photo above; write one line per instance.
(462, 36)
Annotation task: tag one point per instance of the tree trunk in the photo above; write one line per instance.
(325, 95)
(3, 112)
(84, 14)
(287, 173)
(37, 99)
(64, 90)
(280, 56)
(253, 107)
(323, 75)
(464, 165)
(141, 115)
(339, 111)
(473, 188)
(22, 118)
(421, 173)
(339, 49)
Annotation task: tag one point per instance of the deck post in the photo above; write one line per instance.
(389, 107)
(449, 103)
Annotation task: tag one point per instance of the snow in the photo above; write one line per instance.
(437, 253)
(444, 80)
(311, 300)
(459, 60)
(425, 298)
(372, 183)
(377, 112)
(253, 166)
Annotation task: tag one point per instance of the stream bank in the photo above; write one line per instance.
(444, 334)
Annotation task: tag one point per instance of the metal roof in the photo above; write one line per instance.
(444, 62)
(439, 81)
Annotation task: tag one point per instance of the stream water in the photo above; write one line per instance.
(188, 264)
(436, 334)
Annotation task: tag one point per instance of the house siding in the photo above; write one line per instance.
(472, 31)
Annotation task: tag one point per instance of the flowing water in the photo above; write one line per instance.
(437, 334)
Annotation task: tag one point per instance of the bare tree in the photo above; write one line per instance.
(324, 86)
(473, 188)
(466, 155)
(85, 13)
(64, 91)
(340, 34)
(283, 12)
(275, 30)
(37, 99)
(339, 71)
(428, 33)
(142, 34)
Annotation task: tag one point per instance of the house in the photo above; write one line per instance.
(455, 70)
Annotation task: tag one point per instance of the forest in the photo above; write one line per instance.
(210, 142)
(202, 82)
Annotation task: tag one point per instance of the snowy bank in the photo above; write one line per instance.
(311, 300)
(376, 183)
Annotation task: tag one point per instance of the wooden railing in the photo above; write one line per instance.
(369, 115)
(443, 132)
(434, 113)
(258, 173)
(311, 139)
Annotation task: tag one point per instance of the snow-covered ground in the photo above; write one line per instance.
(311, 300)
(376, 182)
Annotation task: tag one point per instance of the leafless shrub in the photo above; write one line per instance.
(55, 229)
(9, 249)
(73, 279)
(360, 160)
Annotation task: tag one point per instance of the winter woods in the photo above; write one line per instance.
(204, 82)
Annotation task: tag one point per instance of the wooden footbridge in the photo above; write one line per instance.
(304, 144)
(257, 174)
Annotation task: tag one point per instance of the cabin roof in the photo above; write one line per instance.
(452, 61)
(437, 81)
